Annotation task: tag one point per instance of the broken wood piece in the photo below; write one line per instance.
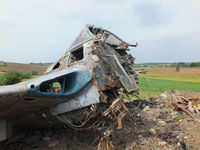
(190, 104)
(179, 106)
(185, 99)
(195, 98)
(182, 102)
(190, 108)
(198, 106)
(115, 105)
(119, 122)
(118, 110)
(196, 109)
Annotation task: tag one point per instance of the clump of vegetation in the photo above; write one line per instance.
(3, 63)
(33, 72)
(195, 64)
(10, 77)
(177, 68)
(178, 117)
(13, 77)
(27, 75)
(40, 64)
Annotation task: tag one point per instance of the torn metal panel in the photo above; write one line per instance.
(122, 75)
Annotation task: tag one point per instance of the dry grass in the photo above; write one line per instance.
(185, 74)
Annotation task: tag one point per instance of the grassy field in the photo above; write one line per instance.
(162, 79)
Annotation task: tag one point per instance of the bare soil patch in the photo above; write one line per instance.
(27, 67)
(171, 70)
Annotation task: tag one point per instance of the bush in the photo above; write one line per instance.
(3, 63)
(26, 75)
(11, 77)
(195, 64)
(33, 72)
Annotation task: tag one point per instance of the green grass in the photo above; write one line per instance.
(3, 63)
(174, 77)
(157, 86)
(178, 117)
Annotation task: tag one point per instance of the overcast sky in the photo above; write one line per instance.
(42, 30)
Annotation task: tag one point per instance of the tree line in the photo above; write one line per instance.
(183, 64)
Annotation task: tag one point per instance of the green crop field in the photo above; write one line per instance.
(157, 86)
(163, 80)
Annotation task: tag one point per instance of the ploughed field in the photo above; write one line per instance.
(18, 66)
(162, 79)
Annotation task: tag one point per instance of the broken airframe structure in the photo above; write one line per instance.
(94, 71)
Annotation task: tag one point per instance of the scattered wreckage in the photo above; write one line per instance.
(81, 87)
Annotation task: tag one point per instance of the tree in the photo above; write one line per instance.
(177, 68)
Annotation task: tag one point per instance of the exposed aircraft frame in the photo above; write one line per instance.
(94, 71)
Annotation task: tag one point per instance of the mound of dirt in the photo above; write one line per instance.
(152, 124)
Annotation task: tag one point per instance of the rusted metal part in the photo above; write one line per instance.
(118, 110)
(121, 115)
(125, 46)
(114, 107)
(119, 122)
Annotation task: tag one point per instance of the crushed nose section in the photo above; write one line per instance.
(105, 55)
(112, 66)
(79, 87)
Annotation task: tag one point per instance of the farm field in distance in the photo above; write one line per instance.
(12, 73)
(166, 78)
(8, 66)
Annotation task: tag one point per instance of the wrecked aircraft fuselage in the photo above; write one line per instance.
(94, 71)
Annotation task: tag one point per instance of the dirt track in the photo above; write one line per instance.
(152, 124)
